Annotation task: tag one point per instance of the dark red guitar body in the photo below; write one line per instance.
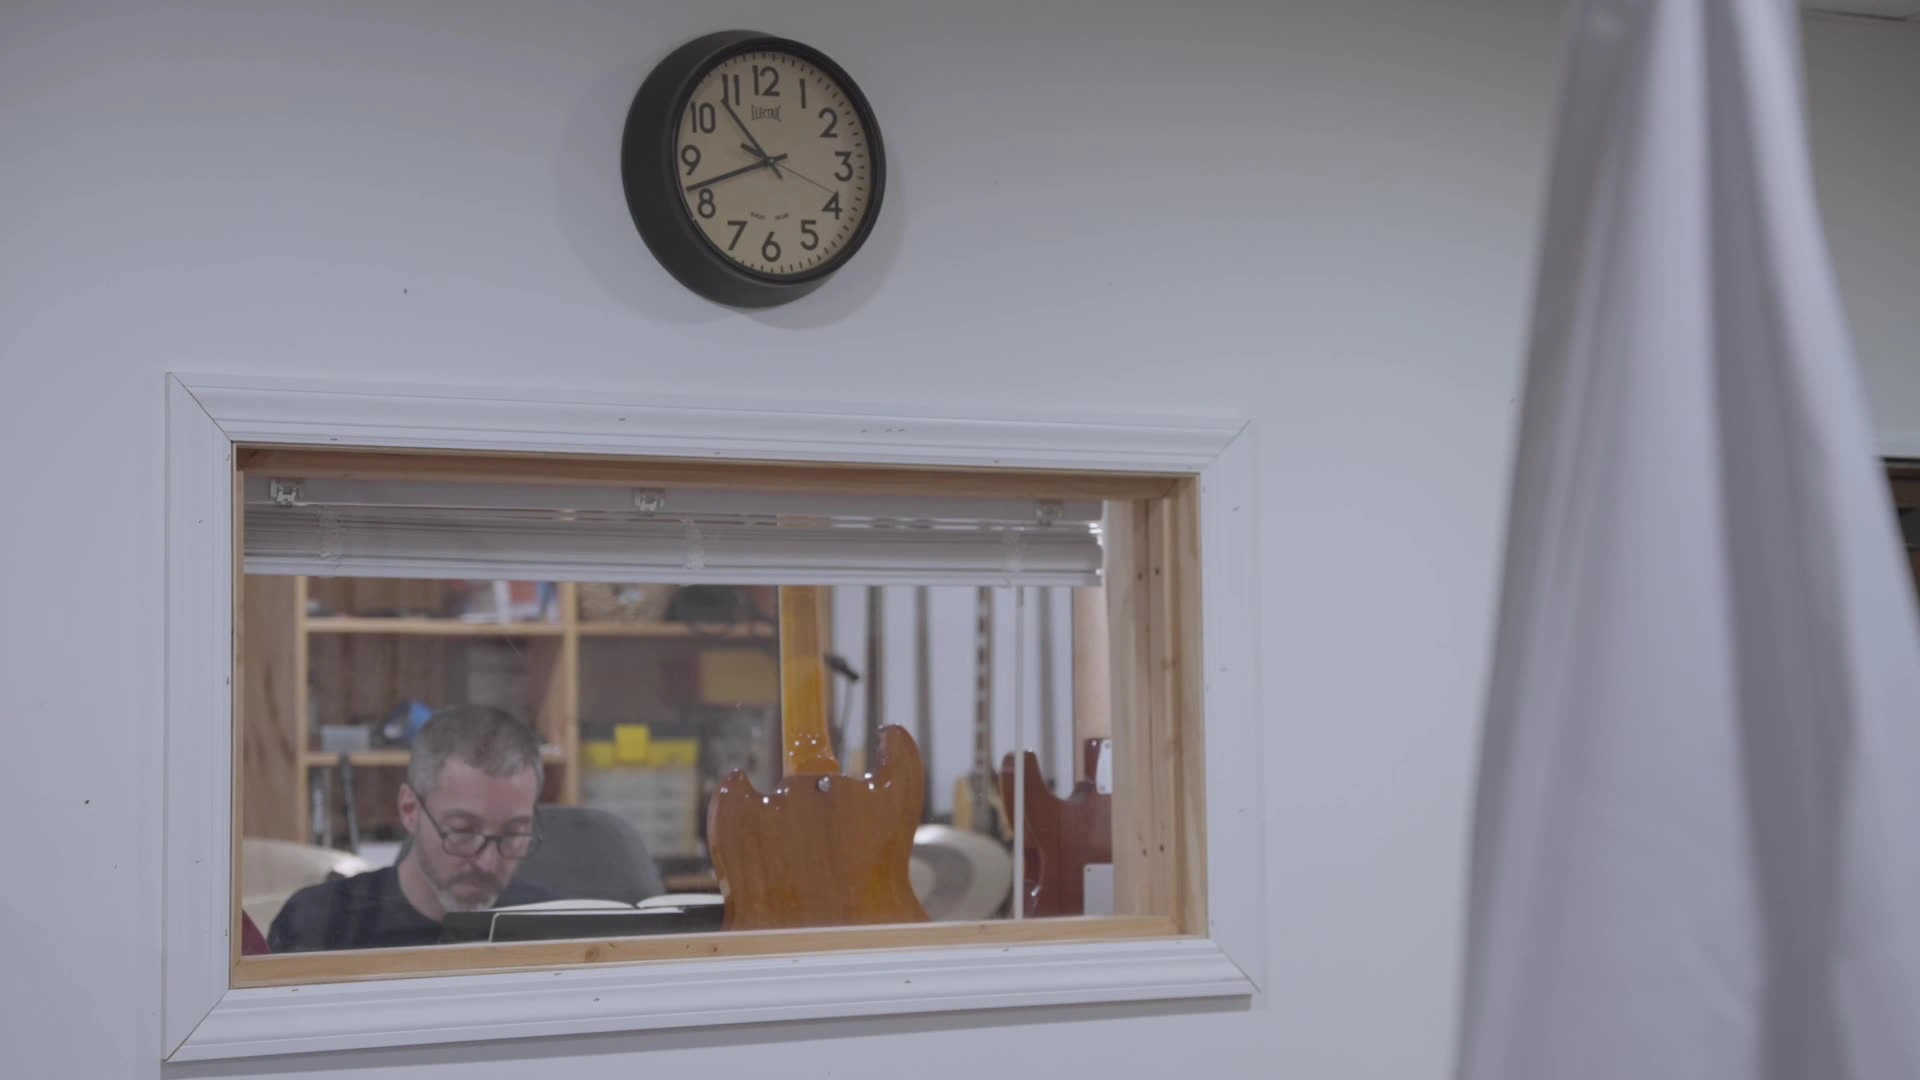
(1063, 836)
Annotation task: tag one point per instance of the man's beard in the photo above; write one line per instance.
(451, 901)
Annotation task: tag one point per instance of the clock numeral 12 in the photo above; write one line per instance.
(773, 80)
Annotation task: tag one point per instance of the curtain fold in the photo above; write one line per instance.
(1696, 851)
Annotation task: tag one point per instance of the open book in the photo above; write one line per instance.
(668, 901)
(549, 920)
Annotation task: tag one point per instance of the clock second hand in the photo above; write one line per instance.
(781, 157)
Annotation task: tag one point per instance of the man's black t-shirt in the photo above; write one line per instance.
(367, 911)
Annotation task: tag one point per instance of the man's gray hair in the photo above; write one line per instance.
(488, 739)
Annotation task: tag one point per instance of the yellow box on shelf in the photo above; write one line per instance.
(673, 753)
(631, 743)
(600, 754)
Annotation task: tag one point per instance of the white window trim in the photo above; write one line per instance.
(202, 1019)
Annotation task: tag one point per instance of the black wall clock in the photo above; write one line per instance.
(752, 166)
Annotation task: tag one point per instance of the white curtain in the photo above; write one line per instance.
(1697, 848)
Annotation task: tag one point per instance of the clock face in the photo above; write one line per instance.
(775, 163)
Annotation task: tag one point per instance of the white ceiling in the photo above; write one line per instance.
(1885, 9)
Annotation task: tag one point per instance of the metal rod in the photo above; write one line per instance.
(1019, 752)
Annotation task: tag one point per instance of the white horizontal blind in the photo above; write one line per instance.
(412, 529)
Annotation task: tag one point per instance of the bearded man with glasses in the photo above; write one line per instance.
(468, 808)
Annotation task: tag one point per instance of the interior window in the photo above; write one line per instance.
(479, 711)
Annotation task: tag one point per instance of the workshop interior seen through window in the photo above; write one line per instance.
(485, 711)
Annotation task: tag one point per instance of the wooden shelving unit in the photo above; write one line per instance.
(305, 670)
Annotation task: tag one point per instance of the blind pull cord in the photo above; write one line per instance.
(331, 536)
(696, 553)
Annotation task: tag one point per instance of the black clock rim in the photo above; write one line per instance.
(650, 172)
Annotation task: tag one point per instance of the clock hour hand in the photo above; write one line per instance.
(792, 170)
(764, 163)
(755, 149)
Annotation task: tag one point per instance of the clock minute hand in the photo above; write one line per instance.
(763, 163)
(742, 125)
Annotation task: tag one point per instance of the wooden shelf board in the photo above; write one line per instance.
(399, 758)
(751, 631)
(354, 624)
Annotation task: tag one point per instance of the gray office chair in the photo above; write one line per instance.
(586, 853)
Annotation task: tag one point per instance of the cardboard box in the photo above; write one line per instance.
(739, 677)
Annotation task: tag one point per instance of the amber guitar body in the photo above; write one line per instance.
(1063, 836)
(820, 849)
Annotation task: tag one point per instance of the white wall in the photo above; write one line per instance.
(1320, 212)
(1865, 88)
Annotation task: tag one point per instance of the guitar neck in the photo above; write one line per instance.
(1048, 722)
(923, 675)
(876, 664)
(983, 682)
(803, 682)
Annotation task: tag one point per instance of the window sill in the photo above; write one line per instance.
(705, 993)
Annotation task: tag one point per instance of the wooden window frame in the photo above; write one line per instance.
(1184, 479)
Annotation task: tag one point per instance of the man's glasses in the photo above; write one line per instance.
(468, 845)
